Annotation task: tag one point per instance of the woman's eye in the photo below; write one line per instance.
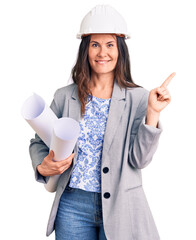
(94, 45)
(110, 45)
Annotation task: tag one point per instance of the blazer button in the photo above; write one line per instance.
(106, 195)
(105, 169)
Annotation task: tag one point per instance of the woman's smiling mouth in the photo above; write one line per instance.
(102, 61)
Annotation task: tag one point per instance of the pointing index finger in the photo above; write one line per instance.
(167, 81)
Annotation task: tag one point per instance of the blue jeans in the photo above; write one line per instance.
(79, 216)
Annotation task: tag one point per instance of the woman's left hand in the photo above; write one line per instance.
(160, 97)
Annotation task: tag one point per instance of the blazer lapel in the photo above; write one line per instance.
(117, 106)
(75, 106)
(74, 112)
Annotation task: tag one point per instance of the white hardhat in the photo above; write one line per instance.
(103, 19)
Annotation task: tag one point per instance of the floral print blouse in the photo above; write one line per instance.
(86, 173)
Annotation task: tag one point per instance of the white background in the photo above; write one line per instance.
(37, 51)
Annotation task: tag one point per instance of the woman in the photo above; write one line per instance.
(100, 194)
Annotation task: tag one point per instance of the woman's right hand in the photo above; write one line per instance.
(49, 167)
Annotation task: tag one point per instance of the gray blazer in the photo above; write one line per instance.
(129, 145)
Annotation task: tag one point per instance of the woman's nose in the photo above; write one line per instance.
(102, 52)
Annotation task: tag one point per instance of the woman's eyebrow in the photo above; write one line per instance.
(110, 42)
(94, 42)
(106, 43)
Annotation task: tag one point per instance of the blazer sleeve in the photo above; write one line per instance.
(38, 149)
(144, 138)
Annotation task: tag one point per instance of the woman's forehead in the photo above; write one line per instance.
(103, 37)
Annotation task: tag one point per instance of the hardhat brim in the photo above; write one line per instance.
(126, 36)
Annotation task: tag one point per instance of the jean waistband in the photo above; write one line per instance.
(92, 196)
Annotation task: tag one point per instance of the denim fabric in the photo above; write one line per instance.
(79, 216)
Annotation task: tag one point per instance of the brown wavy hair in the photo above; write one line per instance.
(81, 72)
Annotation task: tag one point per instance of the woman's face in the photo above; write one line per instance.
(103, 53)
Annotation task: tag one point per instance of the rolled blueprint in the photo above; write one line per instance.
(60, 135)
(65, 135)
(40, 117)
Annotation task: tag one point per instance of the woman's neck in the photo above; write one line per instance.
(101, 85)
(101, 81)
